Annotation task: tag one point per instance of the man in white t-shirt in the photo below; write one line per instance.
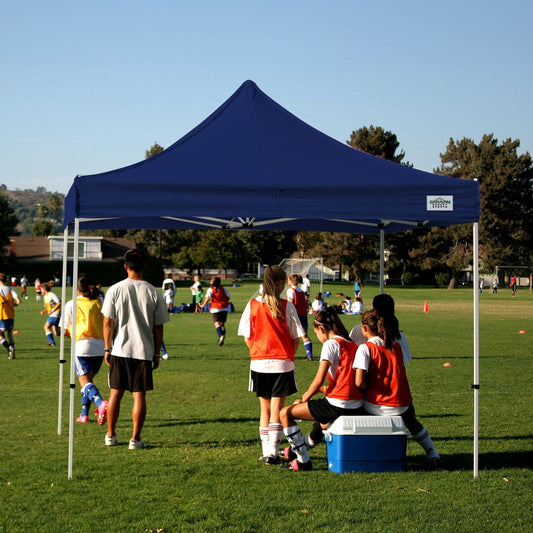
(134, 313)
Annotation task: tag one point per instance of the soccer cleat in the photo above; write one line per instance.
(82, 419)
(309, 358)
(11, 351)
(297, 466)
(102, 412)
(270, 460)
(221, 340)
(289, 454)
(137, 445)
(111, 441)
(434, 463)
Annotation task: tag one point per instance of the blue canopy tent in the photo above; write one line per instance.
(253, 165)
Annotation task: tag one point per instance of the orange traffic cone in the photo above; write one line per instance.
(426, 310)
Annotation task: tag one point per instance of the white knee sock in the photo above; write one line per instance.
(423, 438)
(296, 440)
(263, 434)
(275, 431)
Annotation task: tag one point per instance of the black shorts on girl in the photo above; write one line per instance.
(276, 385)
(134, 375)
(220, 317)
(324, 412)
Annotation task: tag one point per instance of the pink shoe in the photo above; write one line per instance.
(102, 412)
(82, 419)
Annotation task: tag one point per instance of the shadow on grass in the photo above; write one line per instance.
(487, 461)
(198, 421)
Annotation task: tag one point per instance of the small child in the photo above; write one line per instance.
(357, 306)
(271, 329)
(342, 396)
(296, 296)
(318, 303)
(169, 299)
(387, 388)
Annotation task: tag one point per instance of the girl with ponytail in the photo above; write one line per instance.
(341, 395)
(271, 330)
(380, 363)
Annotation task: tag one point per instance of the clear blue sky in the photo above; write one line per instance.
(87, 87)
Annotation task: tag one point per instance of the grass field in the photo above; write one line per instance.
(201, 470)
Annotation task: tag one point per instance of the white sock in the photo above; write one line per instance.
(296, 440)
(263, 434)
(423, 438)
(275, 431)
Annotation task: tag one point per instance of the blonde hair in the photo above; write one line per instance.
(272, 290)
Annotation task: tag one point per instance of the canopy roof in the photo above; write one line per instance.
(252, 164)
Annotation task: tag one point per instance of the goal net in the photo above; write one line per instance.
(312, 267)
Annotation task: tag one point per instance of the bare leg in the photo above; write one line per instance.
(138, 414)
(113, 410)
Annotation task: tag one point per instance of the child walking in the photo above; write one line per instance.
(341, 395)
(271, 330)
(387, 388)
(298, 297)
(89, 346)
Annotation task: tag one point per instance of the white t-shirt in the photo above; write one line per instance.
(88, 347)
(269, 366)
(331, 352)
(306, 285)
(317, 305)
(53, 300)
(136, 306)
(357, 336)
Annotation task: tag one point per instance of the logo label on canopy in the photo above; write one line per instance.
(439, 203)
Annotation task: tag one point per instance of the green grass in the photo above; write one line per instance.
(201, 470)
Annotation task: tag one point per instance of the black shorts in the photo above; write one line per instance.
(276, 385)
(322, 411)
(220, 317)
(134, 375)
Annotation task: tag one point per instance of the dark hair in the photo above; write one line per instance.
(46, 286)
(86, 288)
(135, 260)
(329, 320)
(385, 327)
(216, 282)
(383, 304)
(3, 276)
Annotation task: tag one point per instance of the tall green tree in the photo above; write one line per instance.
(506, 186)
(376, 141)
(55, 205)
(8, 223)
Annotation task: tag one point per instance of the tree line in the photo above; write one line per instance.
(427, 255)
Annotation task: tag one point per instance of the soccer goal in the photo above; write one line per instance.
(312, 267)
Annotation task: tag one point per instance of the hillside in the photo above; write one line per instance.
(27, 204)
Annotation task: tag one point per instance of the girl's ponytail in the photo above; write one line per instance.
(329, 320)
(272, 290)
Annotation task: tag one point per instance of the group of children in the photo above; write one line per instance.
(365, 371)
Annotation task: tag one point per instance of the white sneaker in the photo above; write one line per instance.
(137, 445)
(111, 441)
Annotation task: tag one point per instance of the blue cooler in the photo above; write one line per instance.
(366, 444)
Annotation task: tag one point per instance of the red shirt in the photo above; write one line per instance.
(219, 298)
(269, 338)
(300, 301)
(342, 385)
(387, 380)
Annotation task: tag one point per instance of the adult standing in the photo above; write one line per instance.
(8, 300)
(134, 313)
(24, 284)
